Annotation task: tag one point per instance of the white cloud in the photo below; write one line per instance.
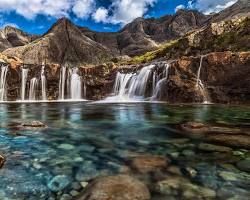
(101, 15)
(124, 11)
(179, 7)
(208, 6)
(83, 8)
(55, 8)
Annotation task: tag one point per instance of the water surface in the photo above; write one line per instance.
(85, 140)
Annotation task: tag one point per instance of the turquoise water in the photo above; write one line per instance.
(85, 140)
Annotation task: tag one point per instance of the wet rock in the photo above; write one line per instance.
(58, 183)
(120, 187)
(188, 153)
(33, 124)
(244, 165)
(228, 176)
(211, 147)
(174, 170)
(177, 185)
(2, 161)
(66, 197)
(228, 136)
(149, 163)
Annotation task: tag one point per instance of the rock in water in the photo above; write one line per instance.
(32, 125)
(149, 163)
(2, 161)
(58, 183)
(120, 187)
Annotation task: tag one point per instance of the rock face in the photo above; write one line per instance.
(120, 187)
(225, 76)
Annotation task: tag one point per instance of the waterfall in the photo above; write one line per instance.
(160, 83)
(134, 86)
(75, 85)
(43, 80)
(4, 70)
(24, 81)
(84, 90)
(62, 82)
(33, 89)
(199, 83)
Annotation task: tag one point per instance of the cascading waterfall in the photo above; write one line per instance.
(84, 90)
(199, 83)
(24, 81)
(62, 82)
(4, 70)
(33, 89)
(132, 86)
(75, 85)
(157, 90)
(43, 81)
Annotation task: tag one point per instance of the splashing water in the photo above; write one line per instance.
(134, 87)
(33, 89)
(75, 85)
(24, 81)
(4, 70)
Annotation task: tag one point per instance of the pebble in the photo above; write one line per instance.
(66, 146)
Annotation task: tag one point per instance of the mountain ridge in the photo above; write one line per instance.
(67, 42)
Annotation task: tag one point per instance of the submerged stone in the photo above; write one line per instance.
(66, 146)
(120, 187)
(212, 147)
(58, 183)
(149, 163)
(244, 165)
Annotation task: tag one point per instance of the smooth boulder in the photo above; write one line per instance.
(120, 187)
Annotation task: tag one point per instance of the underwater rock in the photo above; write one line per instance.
(149, 163)
(211, 147)
(177, 185)
(224, 135)
(120, 187)
(32, 125)
(2, 161)
(58, 183)
(244, 165)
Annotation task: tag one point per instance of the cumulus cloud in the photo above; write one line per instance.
(208, 6)
(83, 8)
(179, 7)
(123, 11)
(101, 15)
(55, 8)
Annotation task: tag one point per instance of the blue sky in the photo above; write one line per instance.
(37, 16)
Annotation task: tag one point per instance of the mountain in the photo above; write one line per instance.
(63, 43)
(239, 9)
(67, 42)
(13, 37)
